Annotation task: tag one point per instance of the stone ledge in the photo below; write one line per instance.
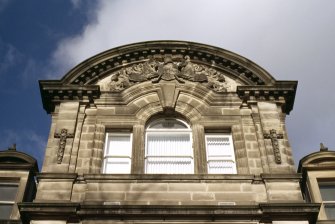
(10, 221)
(180, 178)
(292, 211)
(266, 212)
(56, 176)
(278, 177)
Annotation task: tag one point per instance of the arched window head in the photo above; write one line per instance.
(168, 147)
(167, 123)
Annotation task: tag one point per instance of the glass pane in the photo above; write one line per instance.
(5, 211)
(169, 165)
(221, 166)
(169, 144)
(327, 190)
(167, 124)
(220, 154)
(218, 146)
(119, 145)
(330, 211)
(169, 153)
(8, 192)
(117, 165)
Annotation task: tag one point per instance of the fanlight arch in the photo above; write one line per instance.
(168, 147)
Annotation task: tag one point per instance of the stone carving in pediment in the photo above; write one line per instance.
(168, 70)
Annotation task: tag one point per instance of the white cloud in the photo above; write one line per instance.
(122, 22)
(291, 39)
(9, 56)
(76, 3)
(3, 4)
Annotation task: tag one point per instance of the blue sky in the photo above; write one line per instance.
(293, 40)
(29, 34)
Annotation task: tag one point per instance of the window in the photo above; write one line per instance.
(220, 154)
(168, 147)
(118, 150)
(327, 191)
(7, 199)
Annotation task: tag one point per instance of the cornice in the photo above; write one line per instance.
(96, 67)
(80, 82)
(317, 161)
(54, 91)
(15, 160)
(282, 92)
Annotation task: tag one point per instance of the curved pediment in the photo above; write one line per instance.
(12, 159)
(317, 159)
(237, 67)
(185, 63)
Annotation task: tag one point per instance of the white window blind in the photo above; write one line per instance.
(169, 148)
(220, 154)
(118, 149)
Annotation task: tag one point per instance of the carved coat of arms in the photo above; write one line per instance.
(168, 70)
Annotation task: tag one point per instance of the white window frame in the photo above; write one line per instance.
(323, 182)
(117, 157)
(229, 156)
(169, 169)
(11, 202)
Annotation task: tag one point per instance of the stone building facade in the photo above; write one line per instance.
(318, 185)
(168, 132)
(17, 184)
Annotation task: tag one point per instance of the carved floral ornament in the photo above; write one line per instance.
(168, 70)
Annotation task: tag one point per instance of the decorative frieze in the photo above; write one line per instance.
(168, 70)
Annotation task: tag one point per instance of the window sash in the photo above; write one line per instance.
(220, 154)
(329, 207)
(169, 152)
(327, 190)
(327, 193)
(8, 192)
(118, 153)
(6, 210)
(7, 199)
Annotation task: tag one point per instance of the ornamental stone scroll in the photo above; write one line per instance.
(168, 69)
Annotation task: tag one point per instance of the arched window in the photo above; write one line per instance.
(168, 147)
